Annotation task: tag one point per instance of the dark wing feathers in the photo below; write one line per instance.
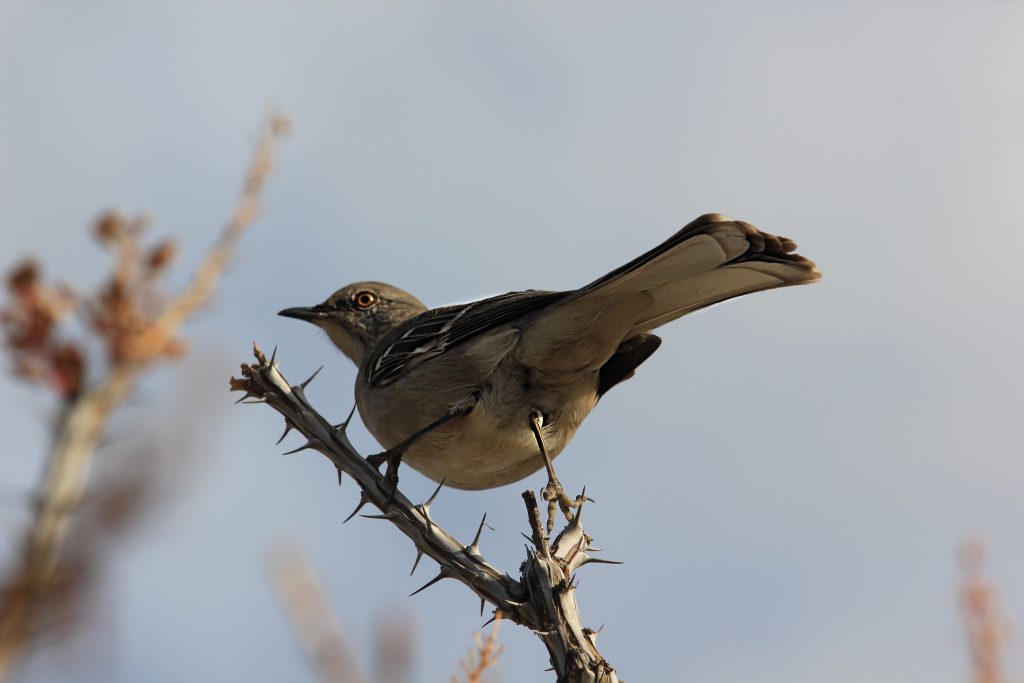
(443, 328)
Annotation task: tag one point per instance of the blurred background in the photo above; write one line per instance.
(788, 478)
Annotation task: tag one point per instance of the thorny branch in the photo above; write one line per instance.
(138, 327)
(542, 599)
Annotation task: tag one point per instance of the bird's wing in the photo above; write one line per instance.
(710, 260)
(441, 329)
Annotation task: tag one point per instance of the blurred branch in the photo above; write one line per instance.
(315, 626)
(543, 599)
(483, 656)
(983, 625)
(137, 326)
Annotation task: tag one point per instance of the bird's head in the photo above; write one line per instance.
(359, 316)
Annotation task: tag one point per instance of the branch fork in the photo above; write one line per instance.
(542, 599)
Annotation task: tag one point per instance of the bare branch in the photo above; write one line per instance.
(543, 599)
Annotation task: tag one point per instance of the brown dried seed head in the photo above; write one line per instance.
(110, 227)
(68, 368)
(24, 276)
(161, 255)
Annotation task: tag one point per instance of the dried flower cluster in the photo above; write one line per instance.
(136, 323)
(130, 302)
(29, 324)
(125, 306)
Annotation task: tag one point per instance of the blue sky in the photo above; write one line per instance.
(787, 478)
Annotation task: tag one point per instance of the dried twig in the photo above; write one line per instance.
(138, 327)
(482, 657)
(315, 626)
(983, 624)
(543, 599)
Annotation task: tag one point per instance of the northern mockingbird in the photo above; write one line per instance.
(482, 394)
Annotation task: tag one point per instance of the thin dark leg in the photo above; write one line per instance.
(393, 455)
(553, 493)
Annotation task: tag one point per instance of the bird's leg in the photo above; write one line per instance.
(393, 455)
(553, 493)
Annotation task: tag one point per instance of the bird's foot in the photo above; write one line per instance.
(556, 496)
(393, 458)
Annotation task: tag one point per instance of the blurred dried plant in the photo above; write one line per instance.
(319, 633)
(482, 657)
(315, 626)
(984, 625)
(137, 324)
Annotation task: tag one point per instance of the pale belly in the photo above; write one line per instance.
(477, 451)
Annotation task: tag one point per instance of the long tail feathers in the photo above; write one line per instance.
(710, 260)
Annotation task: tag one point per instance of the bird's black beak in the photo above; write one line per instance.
(307, 314)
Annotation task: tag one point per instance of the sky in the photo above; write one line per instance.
(787, 479)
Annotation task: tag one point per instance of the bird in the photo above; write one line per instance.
(483, 394)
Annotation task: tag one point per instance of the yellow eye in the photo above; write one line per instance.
(365, 300)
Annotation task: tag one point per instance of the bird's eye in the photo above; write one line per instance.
(364, 300)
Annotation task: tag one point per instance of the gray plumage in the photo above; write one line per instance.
(512, 355)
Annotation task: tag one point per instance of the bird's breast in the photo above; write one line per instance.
(493, 444)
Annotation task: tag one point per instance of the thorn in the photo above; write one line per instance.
(273, 355)
(344, 425)
(575, 522)
(526, 537)
(416, 563)
(311, 377)
(380, 516)
(428, 584)
(596, 560)
(424, 508)
(339, 474)
(473, 549)
(489, 621)
(255, 400)
(247, 396)
(308, 444)
(363, 500)
(430, 501)
(288, 426)
(482, 608)
(479, 529)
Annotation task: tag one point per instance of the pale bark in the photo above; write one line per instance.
(542, 599)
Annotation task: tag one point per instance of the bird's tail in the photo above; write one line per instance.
(710, 260)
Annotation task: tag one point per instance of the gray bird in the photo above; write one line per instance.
(485, 393)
